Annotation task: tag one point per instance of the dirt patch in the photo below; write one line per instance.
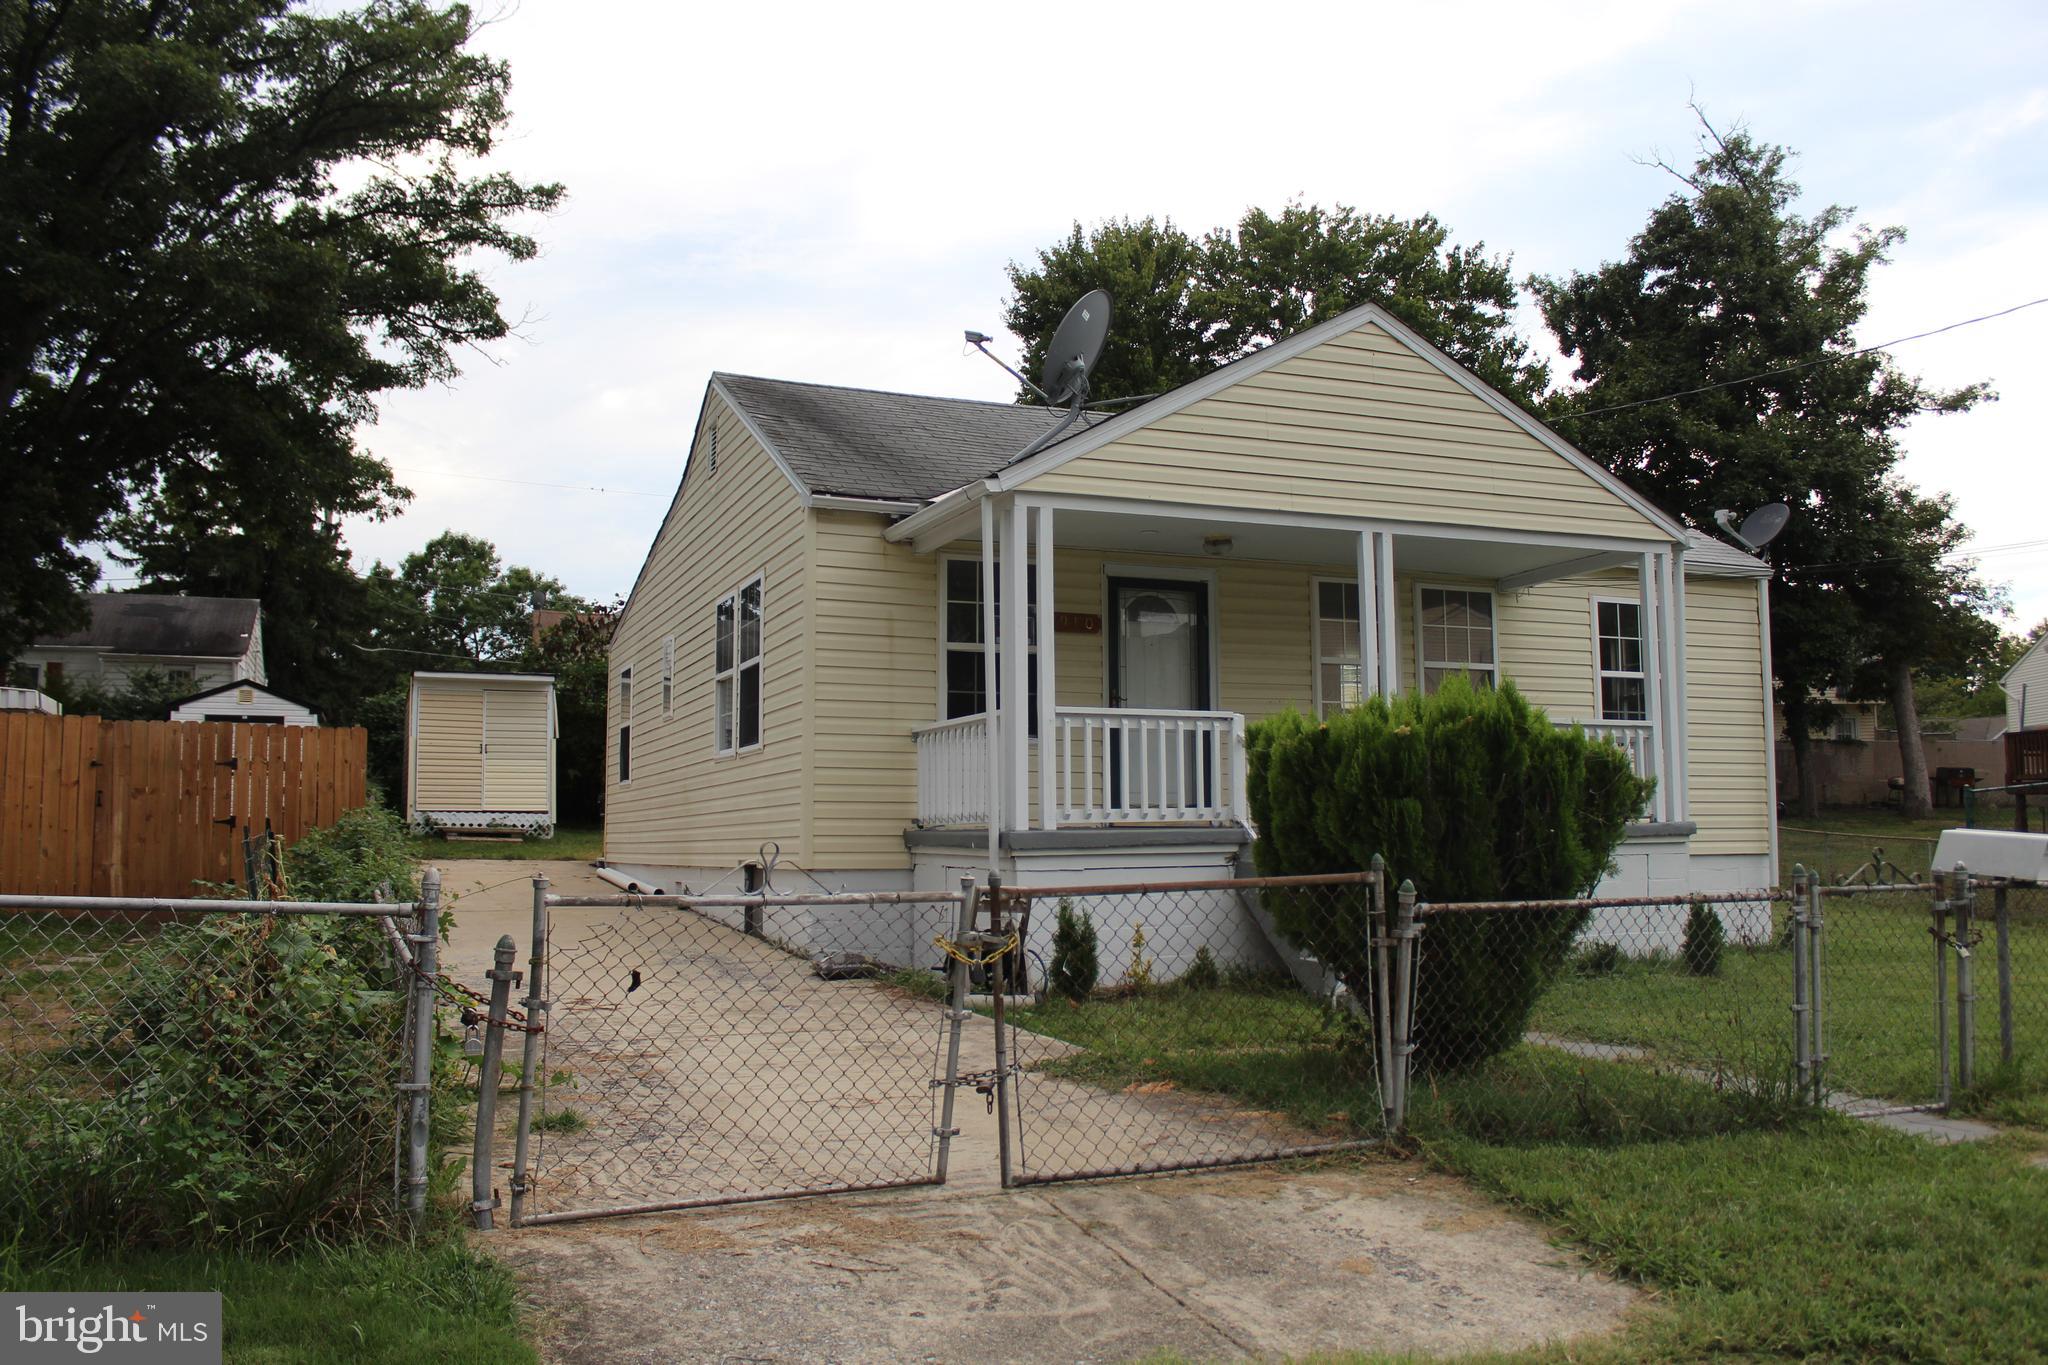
(1251, 1263)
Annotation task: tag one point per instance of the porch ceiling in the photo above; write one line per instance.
(1138, 534)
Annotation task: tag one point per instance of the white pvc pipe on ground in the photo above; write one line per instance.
(627, 884)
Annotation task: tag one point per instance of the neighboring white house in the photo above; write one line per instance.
(2026, 688)
(244, 701)
(818, 650)
(480, 751)
(28, 699)
(202, 641)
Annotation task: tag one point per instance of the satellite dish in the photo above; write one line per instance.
(1076, 346)
(1759, 528)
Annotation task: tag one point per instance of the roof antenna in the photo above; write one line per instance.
(1758, 529)
(1069, 360)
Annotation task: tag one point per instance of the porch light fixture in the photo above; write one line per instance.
(1216, 545)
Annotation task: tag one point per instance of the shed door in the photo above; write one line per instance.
(448, 760)
(515, 748)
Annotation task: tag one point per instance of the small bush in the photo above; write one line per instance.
(1202, 974)
(1138, 976)
(1074, 968)
(1598, 959)
(1705, 939)
(353, 858)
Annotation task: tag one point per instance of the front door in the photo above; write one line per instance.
(1159, 661)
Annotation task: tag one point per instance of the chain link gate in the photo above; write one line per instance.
(707, 1050)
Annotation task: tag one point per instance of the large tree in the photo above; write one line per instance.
(1185, 306)
(1719, 367)
(226, 226)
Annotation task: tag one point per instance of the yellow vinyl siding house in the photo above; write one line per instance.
(810, 654)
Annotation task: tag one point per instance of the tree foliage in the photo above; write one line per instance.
(1469, 794)
(226, 226)
(1746, 310)
(1186, 305)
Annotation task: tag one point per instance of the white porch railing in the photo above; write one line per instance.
(1121, 765)
(1637, 739)
(1114, 765)
(952, 772)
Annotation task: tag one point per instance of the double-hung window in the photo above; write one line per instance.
(966, 667)
(737, 685)
(1340, 670)
(1618, 646)
(625, 725)
(1454, 634)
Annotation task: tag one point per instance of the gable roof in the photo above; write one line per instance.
(151, 623)
(235, 685)
(870, 443)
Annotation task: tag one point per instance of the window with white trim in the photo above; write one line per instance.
(625, 725)
(1454, 634)
(965, 679)
(668, 676)
(1340, 666)
(736, 687)
(1618, 658)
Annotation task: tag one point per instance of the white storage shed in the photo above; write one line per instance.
(480, 752)
(244, 701)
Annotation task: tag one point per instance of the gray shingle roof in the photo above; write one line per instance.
(146, 623)
(1709, 555)
(864, 443)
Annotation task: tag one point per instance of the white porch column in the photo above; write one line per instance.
(1673, 637)
(1370, 679)
(1049, 755)
(990, 719)
(1647, 597)
(1390, 658)
(1016, 689)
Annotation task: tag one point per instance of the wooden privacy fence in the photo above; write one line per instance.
(92, 807)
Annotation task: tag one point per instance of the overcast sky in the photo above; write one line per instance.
(831, 194)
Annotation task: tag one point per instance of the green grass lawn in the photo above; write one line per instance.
(326, 1305)
(571, 845)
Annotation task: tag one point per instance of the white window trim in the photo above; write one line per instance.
(1315, 634)
(1422, 664)
(625, 725)
(1601, 673)
(668, 676)
(738, 667)
(946, 647)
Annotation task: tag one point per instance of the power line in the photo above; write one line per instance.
(527, 483)
(1802, 365)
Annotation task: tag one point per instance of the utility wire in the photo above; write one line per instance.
(1802, 365)
(527, 483)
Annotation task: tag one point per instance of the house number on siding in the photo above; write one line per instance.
(1077, 623)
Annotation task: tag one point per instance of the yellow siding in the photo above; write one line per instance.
(516, 757)
(447, 747)
(1727, 780)
(686, 805)
(1358, 426)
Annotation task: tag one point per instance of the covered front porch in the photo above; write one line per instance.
(1160, 628)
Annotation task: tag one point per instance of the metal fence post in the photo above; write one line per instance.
(2003, 919)
(1404, 999)
(1966, 981)
(1802, 1062)
(998, 983)
(1939, 933)
(426, 962)
(536, 1005)
(1382, 1019)
(501, 977)
(957, 987)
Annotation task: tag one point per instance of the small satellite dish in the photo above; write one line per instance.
(1759, 528)
(1076, 346)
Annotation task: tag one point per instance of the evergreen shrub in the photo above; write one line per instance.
(1705, 937)
(1074, 968)
(1471, 794)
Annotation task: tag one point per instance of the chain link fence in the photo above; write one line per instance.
(1172, 1027)
(709, 1050)
(195, 1072)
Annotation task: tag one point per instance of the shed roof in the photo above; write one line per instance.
(163, 624)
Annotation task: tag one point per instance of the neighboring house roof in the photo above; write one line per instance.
(869, 443)
(1707, 555)
(1979, 727)
(181, 627)
(235, 686)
